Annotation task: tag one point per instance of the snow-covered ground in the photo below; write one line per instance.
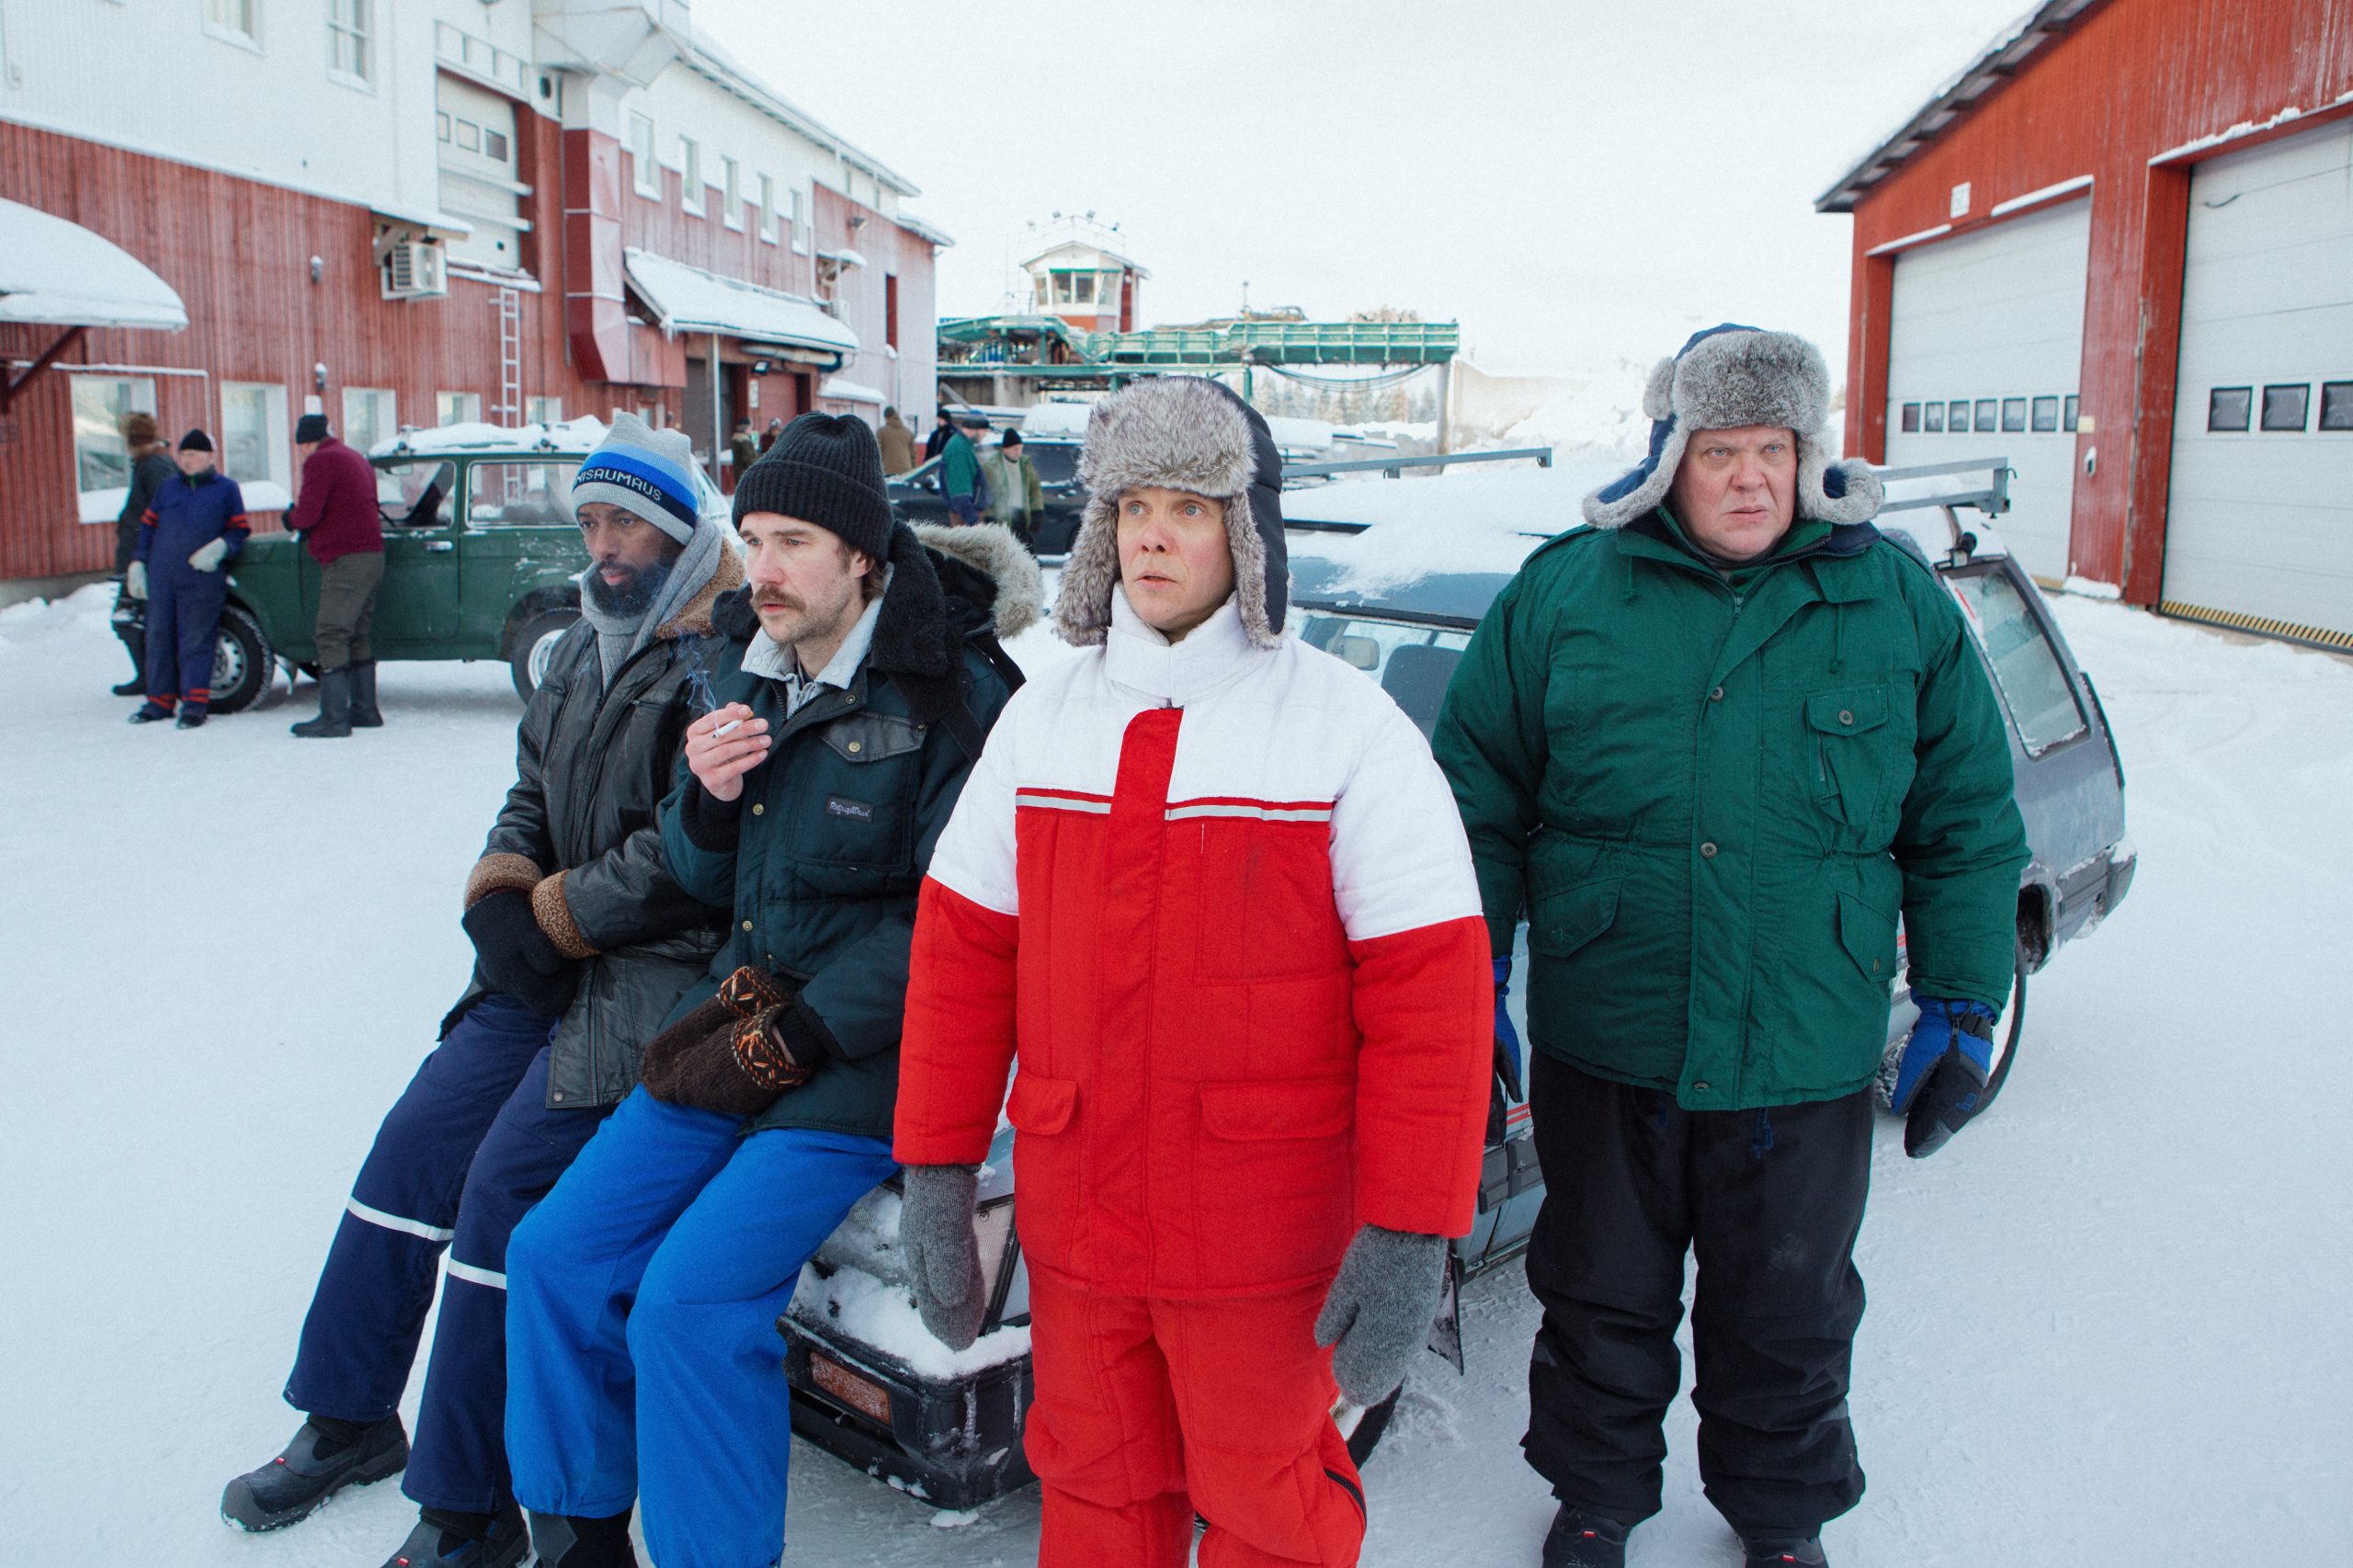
(2108, 1324)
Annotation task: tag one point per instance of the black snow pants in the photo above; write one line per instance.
(1770, 1201)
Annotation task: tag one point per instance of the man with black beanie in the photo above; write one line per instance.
(643, 1292)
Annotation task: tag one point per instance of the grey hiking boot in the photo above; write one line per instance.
(464, 1540)
(1583, 1539)
(326, 1456)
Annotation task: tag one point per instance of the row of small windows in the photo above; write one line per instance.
(350, 32)
(1988, 415)
(2286, 406)
(462, 132)
(646, 174)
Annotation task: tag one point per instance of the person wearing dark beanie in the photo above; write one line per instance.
(848, 709)
(825, 469)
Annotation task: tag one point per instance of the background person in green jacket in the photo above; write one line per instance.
(1712, 749)
(960, 470)
(1015, 495)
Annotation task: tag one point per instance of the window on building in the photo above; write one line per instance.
(691, 175)
(2033, 681)
(800, 221)
(237, 20)
(543, 411)
(2287, 407)
(370, 415)
(2013, 414)
(767, 208)
(350, 34)
(890, 309)
(1957, 417)
(520, 494)
(1932, 418)
(1910, 419)
(731, 193)
(2337, 405)
(2230, 408)
(1082, 288)
(253, 438)
(457, 408)
(643, 171)
(101, 459)
(479, 175)
(2046, 415)
(2067, 414)
(1989, 415)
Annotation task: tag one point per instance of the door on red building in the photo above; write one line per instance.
(735, 402)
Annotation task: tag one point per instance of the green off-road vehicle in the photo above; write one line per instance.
(481, 559)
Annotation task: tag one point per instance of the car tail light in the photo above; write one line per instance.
(862, 1394)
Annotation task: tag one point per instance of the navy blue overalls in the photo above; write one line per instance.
(184, 603)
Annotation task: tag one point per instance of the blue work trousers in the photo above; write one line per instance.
(642, 1358)
(183, 625)
(464, 1155)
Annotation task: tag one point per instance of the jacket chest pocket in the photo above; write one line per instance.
(1857, 754)
(1266, 908)
(849, 798)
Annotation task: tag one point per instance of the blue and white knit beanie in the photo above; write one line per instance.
(1726, 378)
(648, 471)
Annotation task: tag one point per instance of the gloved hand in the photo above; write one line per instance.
(134, 579)
(734, 1053)
(1380, 1309)
(1508, 1058)
(515, 957)
(943, 1255)
(1940, 1078)
(207, 557)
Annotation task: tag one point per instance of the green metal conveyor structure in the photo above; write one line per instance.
(991, 354)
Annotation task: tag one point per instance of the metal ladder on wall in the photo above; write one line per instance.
(510, 357)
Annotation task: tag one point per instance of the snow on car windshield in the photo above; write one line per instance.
(1466, 521)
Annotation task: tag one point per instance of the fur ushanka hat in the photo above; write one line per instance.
(1731, 376)
(1178, 433)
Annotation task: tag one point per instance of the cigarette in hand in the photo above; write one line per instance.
(723, 729)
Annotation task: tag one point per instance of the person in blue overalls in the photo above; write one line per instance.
(180, 565)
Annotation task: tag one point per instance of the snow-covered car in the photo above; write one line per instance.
(1392, 577)
(481, 558)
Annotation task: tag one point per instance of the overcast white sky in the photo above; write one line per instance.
(1577, 182)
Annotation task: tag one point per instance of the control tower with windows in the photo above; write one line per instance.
(1081, 277)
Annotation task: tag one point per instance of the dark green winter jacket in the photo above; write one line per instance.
(820, 859)
(1712, 802)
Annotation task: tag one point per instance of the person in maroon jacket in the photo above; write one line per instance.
(335, 515)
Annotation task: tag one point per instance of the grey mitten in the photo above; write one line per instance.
(1380, 1309)
(936, 1207)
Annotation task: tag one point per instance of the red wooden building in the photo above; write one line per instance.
(2119, 249)
(433, 213)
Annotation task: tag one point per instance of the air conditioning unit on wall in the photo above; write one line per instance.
(416, 269)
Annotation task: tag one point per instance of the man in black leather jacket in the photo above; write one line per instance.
(584, 941)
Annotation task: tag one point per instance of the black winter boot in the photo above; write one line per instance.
(335, 707)
(564, 1543)
(443, 1540)
(1784, 1552)
(136, 646)
(150, 713)
(326, 1456)
(191, 716)
(1582, 1539)
(365, 715)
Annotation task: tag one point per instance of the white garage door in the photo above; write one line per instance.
(2259, 520)
(1985, 344)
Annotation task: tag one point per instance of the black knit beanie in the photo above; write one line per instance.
(196, 441)
(824, 469)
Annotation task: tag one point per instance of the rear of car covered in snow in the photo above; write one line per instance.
(1392, 577)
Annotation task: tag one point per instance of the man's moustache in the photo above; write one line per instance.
(763, 598)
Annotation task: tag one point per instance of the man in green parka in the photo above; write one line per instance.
(1711, 749)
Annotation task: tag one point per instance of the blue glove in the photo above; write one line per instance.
(1507, 1038)
(1940, 1078)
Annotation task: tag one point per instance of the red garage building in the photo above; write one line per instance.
(2117, 249)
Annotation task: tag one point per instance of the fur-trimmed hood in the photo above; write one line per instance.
(1731, 376)
(1183, 433)
(693, 617)
(938, 592)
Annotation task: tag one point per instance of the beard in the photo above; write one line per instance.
(635, 594)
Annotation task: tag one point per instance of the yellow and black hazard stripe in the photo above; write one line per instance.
(2288, 630)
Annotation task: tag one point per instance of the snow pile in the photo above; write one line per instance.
(882, 1315)
(1599, 419)
(104, 506)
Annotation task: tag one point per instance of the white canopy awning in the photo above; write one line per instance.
(688, 298)
(56, 273)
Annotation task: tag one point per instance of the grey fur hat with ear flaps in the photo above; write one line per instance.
(1725, 378)
(1178, 433)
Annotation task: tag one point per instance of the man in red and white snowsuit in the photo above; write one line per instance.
(1208, 888)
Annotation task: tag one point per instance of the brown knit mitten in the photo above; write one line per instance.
(728, 1054)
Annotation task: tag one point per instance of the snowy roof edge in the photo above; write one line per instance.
(714, 65)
